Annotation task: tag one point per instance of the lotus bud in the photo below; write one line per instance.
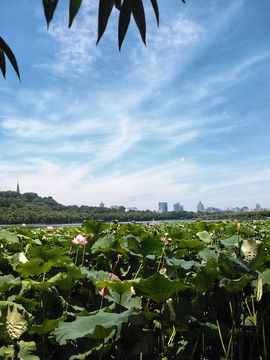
(103, 291)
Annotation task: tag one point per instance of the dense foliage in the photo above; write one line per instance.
(105, 291)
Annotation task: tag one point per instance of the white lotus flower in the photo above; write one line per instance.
(22, 258)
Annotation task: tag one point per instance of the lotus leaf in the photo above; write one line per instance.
(33, 267)
(26, 350)
(237, 285)
(204, 280)
(9, 236)
(204, 236)
(158, 287)
(97, 325)
(103, 244)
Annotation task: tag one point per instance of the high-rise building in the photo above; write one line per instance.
(162, 207)
(18, 187)
(200, 206)
(258, 207)
(101, 204)
(178, 207)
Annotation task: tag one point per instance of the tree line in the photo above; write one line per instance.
(29, 208)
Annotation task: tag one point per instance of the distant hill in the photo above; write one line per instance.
(16, 208)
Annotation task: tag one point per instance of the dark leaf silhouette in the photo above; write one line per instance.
(49, 9)
(104, 12)
(74, 7)
(124, 20)
(5, 49)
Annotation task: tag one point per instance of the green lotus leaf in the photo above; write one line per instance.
(190, 244)
(237, 285)
(208, 253)
(204, 236)
(28, 304)
(97, 325)
(124, 299)
(185, 264)
(231, 240)
(120, 287)
(9, 236)
(158, 287)
(96, 275)
(225, 263)
(94, 227)
(26, 350)
(33, 267)
(55, 255)
(204, 280)
(135, 230)
(66, 283)
(47, 326)
(145, 246)
(103, 244)
(7, 282)
(6, 352)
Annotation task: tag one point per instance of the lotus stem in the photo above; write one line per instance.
(83, 255)
(77, 255)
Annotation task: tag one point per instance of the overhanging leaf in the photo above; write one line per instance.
(74, 6)
(5, 49)
(124, 20)
(155, 7)
(139, 17)
(49, 8)
(104, 12)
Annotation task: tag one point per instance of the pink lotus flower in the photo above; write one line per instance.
(80, 240)
(50, 228)
(103, 291)
(23, 224)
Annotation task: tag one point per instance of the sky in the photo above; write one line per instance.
(183, 119)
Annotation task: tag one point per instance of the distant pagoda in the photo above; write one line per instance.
(18, 187)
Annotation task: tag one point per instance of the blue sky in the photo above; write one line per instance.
(184, 119)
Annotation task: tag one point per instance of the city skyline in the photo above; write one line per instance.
(184, 118)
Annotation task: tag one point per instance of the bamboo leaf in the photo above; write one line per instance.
(74, 7)
(139, 16)
(155, 7)
(124, 20)
(104, 12)
(49, 8)
(4, 48)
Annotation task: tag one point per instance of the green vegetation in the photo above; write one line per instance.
(133, 291)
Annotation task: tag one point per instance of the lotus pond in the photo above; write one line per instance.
(136, 291)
